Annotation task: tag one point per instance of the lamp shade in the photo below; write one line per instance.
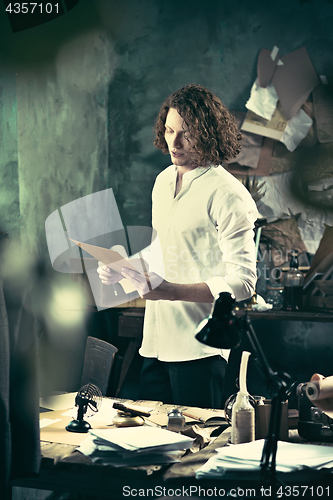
(220, 328)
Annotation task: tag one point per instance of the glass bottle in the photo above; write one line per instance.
(243, 415)
(176, 420)
(274, 296)
(293, 285)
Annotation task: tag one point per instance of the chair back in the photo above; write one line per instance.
(98, 361)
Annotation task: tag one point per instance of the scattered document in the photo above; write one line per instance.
(247, 456)
(134, 446)
(262, 101)
(266, 117)
(297, 128)
(280, 199)
(44, 422)
(282, 87)
(141, 439)
(293, 77)
(58, 401)
(115, 261)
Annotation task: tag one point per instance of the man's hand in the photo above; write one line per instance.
(152, 287)
(149, 285)
(107, 275)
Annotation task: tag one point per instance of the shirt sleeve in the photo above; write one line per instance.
(234, 217)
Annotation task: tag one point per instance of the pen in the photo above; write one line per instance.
(132, 411)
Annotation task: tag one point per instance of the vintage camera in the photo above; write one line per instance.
(313, 424)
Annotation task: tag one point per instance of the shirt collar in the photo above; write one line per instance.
(192, 174)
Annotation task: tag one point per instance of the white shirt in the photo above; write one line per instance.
(206, 235)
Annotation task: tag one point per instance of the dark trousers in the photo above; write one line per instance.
(188, 383)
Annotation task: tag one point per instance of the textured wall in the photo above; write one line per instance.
(89, 86)
(162, 46)
(62, 140)
(79, 97)
(9, 187)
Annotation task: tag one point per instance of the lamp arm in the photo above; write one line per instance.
(260, 358)
(279, 386)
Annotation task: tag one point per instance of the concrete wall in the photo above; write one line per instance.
(89, 86)
(62, 131)
(79, 97)
(9, 185)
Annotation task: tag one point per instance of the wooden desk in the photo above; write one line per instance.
(299, 343)
(296, 343)
(65, 470)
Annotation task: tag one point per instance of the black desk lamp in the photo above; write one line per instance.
(222, 329)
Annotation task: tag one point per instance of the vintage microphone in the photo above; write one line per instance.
(89, 396)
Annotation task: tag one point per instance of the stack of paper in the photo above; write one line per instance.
(134, 446)
(246, 457)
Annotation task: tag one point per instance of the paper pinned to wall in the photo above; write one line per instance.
(278, 127)
(262, 101)
(280, 199)
(273, 128)
(293, 80)
(277, 95)
(267, 62)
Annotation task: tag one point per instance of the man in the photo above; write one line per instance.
(204, 219)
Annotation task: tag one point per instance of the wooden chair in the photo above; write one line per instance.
(101, 366)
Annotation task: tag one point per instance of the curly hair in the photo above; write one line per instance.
(211, 127)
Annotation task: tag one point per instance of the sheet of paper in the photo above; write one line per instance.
(58, 401)
(274, 124)
(143, 438)
(115, 261)
(290, 456)
(273, 128)
(297, 128)
(294, 81)
(292, 76)
(56, 431)
(279, 199)
(262, 101)
(203, 414)
(44, 422)
(266, 66)
(106, 455)
(108, 257)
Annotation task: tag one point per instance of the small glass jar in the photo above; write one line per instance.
(274, 296)
(176, 420)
